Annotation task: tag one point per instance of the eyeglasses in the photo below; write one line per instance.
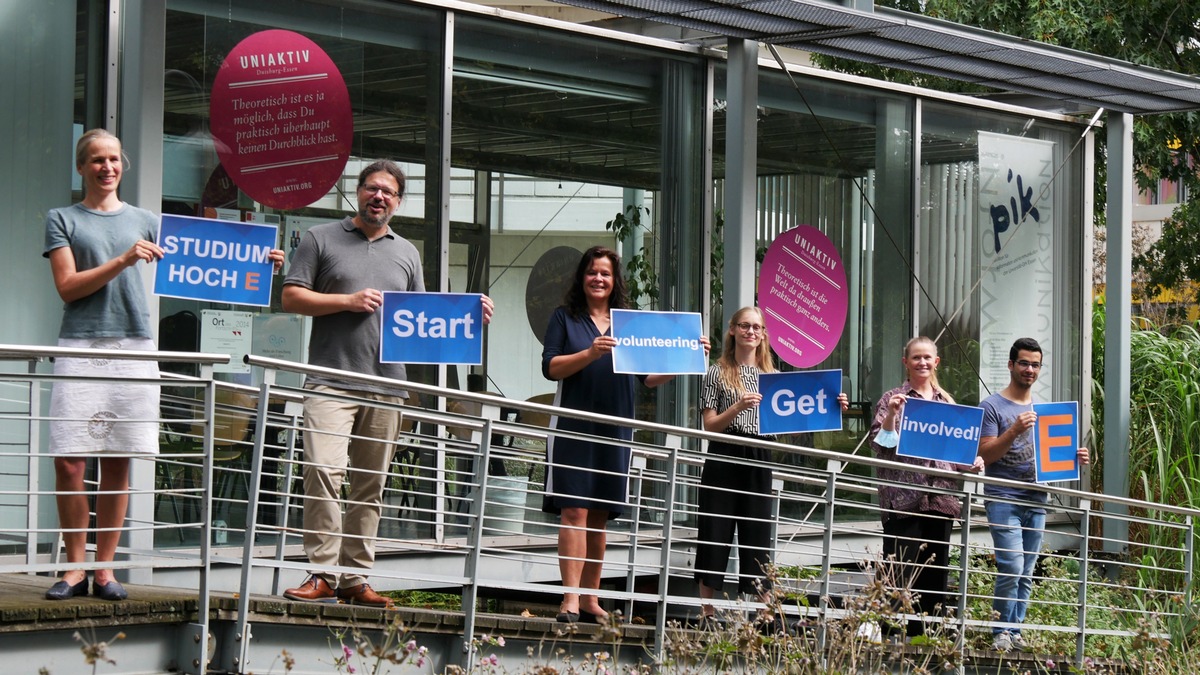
(385, 191)
(751, 327)
(1029, 364)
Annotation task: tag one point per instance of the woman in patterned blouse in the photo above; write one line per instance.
(916, 522)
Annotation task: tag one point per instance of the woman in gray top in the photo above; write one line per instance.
(93, 249)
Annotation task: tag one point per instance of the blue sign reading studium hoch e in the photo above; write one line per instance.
(944, 432)
(799, 402)
(658, 343)
(215, 260)
(431, 328)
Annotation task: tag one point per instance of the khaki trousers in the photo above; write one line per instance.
(345, 441)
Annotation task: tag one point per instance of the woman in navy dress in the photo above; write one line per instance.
(587, 481)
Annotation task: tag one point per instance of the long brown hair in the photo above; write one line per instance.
(921, 339)
(575, 300)
(728, 360)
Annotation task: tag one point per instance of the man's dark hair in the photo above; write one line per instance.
(388, 166)
(1025, 344)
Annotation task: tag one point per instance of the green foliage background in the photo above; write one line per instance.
(1163, 34)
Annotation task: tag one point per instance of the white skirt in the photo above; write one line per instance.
(94, 418)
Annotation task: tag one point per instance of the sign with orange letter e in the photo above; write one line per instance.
(1056, 442)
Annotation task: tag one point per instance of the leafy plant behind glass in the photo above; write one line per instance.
(640, 277)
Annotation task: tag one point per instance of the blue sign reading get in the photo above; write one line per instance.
(215, 260)
(799, 402)
(431, 328)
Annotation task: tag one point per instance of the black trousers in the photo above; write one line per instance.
(734, 496)
(920, 544)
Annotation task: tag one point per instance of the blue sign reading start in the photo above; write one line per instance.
(431, 328)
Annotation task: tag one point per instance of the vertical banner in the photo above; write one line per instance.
(1016, 210)
(658, 343)
(943, 432)
(1056, 442)
(799, 402)
(431, 328)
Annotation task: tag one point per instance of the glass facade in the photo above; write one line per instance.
(525, 144)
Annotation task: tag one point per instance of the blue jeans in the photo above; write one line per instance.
(1017, 535)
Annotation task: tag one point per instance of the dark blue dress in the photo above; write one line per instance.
(587, 474)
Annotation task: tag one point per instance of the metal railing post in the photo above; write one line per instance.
(664, 555)
(283, 513)
(1189, 551)
(470, 594)
(35, 445)
(637, 465)
(1085, 505)
(833, 467)
(964, 568)
(241, 632)
(194, 647)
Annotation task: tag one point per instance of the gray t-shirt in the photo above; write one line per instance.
(119, 309)
(338, 258)
(999, 414)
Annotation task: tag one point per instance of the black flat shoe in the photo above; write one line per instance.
(113, 590)
(567, 617)
(63, 591)
(587, 617)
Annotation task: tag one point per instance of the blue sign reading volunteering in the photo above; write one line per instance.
(799, 402)
(658, 343)
(1056, 442)
(431, 328)
(943, 432)
(215, 260)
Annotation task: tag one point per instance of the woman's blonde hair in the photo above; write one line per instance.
(728, 359)
(922, 340)
(91, 136)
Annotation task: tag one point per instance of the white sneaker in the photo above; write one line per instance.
(870, 631)
(1018, 642)
(1002, 642)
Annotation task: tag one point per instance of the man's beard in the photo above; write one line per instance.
(365, 216)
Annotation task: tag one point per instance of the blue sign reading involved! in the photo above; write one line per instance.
(943, 432)
(431, 328)
(1056, 441)
(215, 260)
(799, 402)
(657, 343)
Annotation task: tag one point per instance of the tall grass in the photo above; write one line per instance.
(1164, 429)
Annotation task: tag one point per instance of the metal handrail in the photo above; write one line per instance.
(461, 517)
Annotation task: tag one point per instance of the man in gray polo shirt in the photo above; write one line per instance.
(338, 276)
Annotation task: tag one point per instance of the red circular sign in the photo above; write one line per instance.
(281, 119)
(803, 294)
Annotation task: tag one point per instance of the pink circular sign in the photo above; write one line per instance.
(803, 295)
(281, 119)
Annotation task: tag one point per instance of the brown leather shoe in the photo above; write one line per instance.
(363, 594)
(314, 589)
